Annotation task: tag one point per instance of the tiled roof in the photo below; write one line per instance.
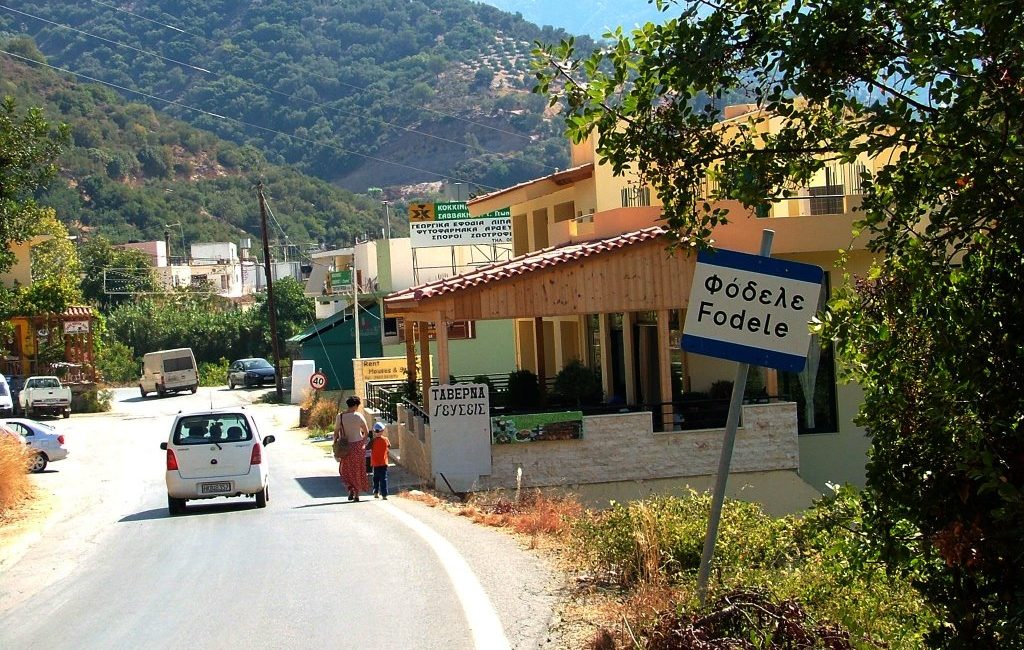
(523, 264)
(78, 311)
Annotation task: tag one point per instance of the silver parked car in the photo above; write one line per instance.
(46, 443)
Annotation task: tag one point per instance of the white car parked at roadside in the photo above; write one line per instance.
(215, 453)
(45, 442)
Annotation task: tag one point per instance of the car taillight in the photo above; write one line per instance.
(60, 440)
(172, 462)
(257, 455)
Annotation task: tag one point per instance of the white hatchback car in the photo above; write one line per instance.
(215, 453)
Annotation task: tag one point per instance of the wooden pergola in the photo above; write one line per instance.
(627, 273)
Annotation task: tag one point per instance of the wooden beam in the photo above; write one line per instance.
(629, 357)
(604, 332)
(443, 364)
(665, 370)
(425, 363)
(410, 352)
(538, 336)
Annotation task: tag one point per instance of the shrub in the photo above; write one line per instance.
(14, 483)
(819, 561)
(213, 374)
(578, 384)
(117, 364)
(721, 389)
(322, 414)
(93, 401)
(523, 390)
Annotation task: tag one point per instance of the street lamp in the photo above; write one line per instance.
(387, 218)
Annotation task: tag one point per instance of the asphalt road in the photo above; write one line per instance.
(312, 570)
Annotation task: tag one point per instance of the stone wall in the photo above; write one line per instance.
(414, 443)
(624, 447)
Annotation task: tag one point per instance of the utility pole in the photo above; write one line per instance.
(387, 219)
(355, 306)
(271, 306)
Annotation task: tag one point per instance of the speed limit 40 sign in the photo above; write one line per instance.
(318, 380)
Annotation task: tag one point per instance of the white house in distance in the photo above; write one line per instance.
(226, 267)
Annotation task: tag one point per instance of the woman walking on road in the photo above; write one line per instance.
(350, 426)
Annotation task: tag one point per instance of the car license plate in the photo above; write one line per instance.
(214, 487)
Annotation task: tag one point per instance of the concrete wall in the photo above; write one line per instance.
(624, 448)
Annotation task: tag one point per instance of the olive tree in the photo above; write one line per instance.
(935, 90)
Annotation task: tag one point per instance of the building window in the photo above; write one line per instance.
(457, 330)
(826, 199)
(635, 197)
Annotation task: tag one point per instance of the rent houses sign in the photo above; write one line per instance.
(752, 309)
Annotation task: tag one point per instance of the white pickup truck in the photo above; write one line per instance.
(44, 394)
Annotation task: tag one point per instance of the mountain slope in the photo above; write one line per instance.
(438, 84)
(130, 172)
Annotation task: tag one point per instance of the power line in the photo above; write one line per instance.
(249, 124)
(249, 84)
(258, 54)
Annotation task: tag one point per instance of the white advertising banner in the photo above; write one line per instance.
(450, 224)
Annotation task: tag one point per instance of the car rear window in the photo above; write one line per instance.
(204, 429)
(177, 363)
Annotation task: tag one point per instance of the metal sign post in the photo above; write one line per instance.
(731, 424)
(753, 310)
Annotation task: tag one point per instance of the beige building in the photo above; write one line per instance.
(592, 280)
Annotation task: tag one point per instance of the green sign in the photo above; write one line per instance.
(341, 279)
(534, 427)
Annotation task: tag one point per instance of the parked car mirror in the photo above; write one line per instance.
(268, 440)
(163, 445)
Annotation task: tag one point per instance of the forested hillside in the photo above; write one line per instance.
(130, 171)
(360, 93)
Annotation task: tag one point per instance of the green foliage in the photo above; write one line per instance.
(111, 194)
(930, 93)
(29, 147)
(56, 270)
(214, 373)
(93, 401)
(113, 275)
(578, 384)
(314, 84)
(523, 390)
(295, 311)
(117, 364)
(820, 560)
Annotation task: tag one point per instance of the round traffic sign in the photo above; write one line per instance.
(318, 380)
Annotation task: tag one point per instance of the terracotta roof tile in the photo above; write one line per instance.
(523, 264)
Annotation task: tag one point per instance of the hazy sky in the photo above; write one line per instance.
(585, 16)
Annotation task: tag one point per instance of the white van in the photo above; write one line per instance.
(6, 403)
(169, 371)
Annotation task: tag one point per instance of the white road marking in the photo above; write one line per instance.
(480, 614)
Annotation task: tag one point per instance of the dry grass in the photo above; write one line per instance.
(14, 483)
(423, 497)
(322, 414)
